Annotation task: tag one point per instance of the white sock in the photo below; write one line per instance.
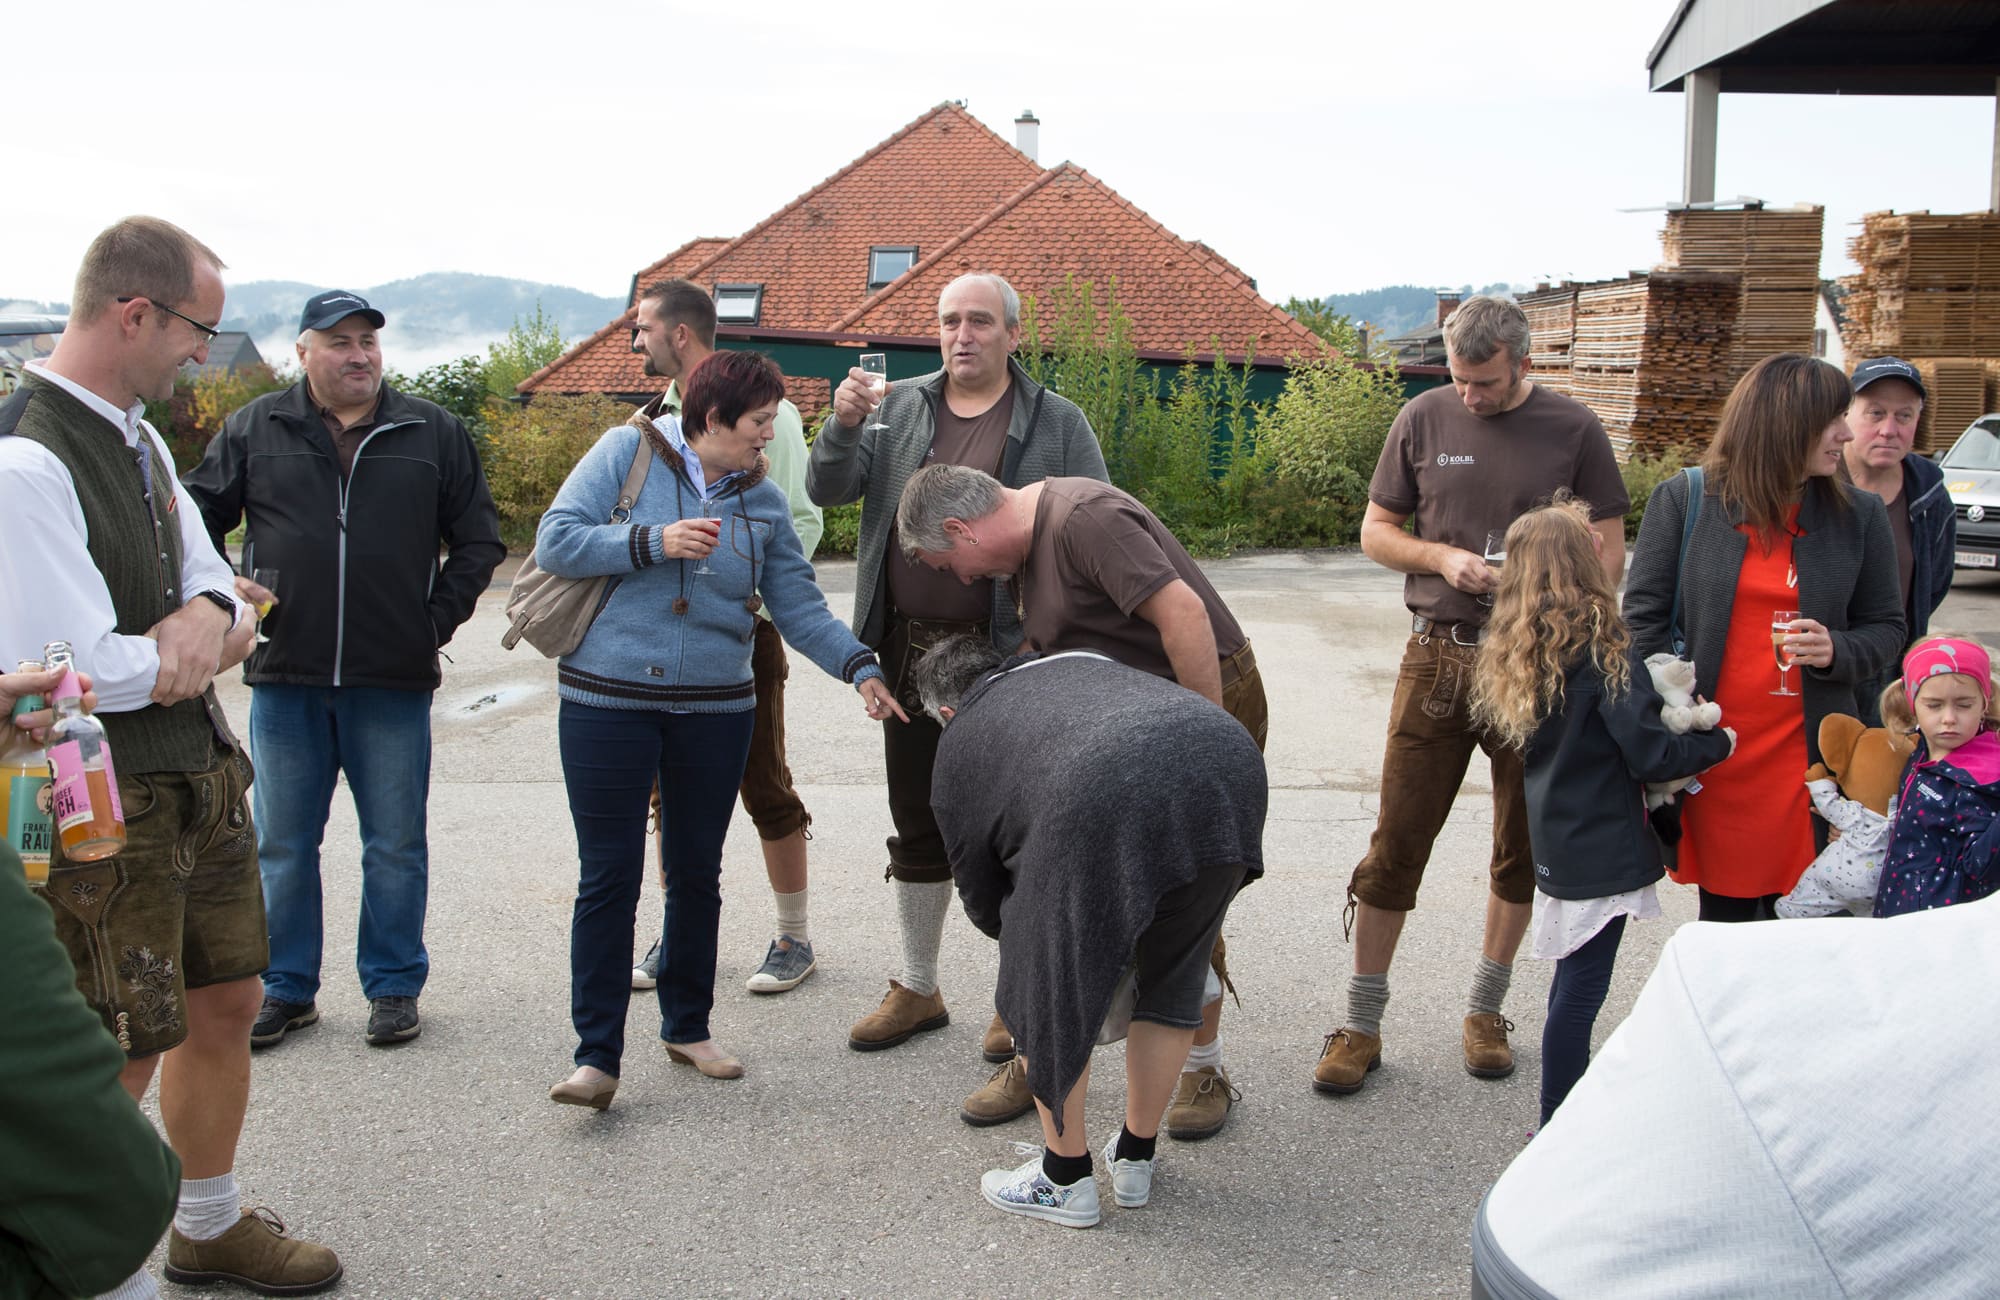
(921, 907)
(209, 1207)
(1204, 1056)
(139, 1286)
(792, 915)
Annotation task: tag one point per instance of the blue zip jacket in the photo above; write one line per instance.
(1946, 845)
(668, 637)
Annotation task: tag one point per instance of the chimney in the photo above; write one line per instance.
(1027, 134)
(1447, 304)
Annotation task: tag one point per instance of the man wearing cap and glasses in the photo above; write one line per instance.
(347, 489)
(1888, 402)
(167, 937)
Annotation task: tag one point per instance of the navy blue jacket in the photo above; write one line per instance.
(1946, 845)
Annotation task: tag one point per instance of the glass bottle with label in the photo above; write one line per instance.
(88, 817)
(24, 791)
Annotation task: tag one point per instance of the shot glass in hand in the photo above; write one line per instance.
(268, 580)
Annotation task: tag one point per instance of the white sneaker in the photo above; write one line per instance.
(1131, 1180)
(646, 974)
(1026, 1191)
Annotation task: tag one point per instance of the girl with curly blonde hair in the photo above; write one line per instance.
(1557, 678)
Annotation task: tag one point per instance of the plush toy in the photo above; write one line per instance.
(1674, 680)
(1864, 764)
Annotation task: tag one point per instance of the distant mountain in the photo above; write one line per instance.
(1398, 308)
(431, 317)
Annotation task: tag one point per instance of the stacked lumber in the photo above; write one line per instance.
(1776, 253)
(1957, 389)
(1551, 333)
(1929, 285)
(1650, 356)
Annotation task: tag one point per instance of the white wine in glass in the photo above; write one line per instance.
(1781, 627)
(268, 580)
(876, 366)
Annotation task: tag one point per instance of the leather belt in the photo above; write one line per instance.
(1238, 666)
(1422, 626)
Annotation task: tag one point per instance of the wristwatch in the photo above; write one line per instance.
(228, 605)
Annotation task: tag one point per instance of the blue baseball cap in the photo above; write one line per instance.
(1887, 368)
(325, 310)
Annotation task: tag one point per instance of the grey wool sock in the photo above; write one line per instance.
(920, 909)
(1367, 997)
(1489, 987)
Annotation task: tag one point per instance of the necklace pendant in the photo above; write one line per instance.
(680, 604)
(754, 604)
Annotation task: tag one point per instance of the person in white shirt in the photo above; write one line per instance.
(101, 547)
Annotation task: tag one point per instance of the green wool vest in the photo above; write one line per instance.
(137, 549)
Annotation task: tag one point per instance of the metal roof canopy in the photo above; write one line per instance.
(1821, 47)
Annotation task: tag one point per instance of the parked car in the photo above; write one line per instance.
(24, 339)
(1972, 476)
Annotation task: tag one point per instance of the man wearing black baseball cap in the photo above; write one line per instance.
(355, 489)
(1888, 402)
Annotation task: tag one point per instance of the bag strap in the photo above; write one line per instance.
(635, 479)
(1688, 517)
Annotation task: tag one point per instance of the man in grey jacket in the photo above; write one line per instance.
(981, 409)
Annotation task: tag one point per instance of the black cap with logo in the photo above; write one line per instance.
(325, 310)
(1887, 368)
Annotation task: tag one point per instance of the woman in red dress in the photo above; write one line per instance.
(1778, 530)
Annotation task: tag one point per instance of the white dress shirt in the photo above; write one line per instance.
(50, 589)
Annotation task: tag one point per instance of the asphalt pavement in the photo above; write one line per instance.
(440, 1169)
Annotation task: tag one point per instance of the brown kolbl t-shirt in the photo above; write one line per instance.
(1094, 557)
(915, 589)
(1461, 475)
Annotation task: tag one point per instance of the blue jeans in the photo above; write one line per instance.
(1576, 995)
(301, 738)
(610, 758)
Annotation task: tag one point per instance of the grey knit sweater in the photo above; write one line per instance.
(1047, 437)
(1073, 794)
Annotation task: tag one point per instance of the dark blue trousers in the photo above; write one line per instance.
(610, 758)
(1576, 995)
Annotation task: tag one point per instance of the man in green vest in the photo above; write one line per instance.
(101, 547)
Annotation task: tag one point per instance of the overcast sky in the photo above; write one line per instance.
(1324, 147)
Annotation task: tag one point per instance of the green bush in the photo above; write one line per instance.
(1644, 473)
(1323, 436)
(203, 402)
(843, 531)
(531, 450)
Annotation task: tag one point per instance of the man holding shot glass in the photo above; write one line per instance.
(980, 409)
(347, 488)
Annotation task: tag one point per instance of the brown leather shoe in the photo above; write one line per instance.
(1346, 1059)
(255, 1253)
(1004, 1097)
(1201, 1103)
(998, 1046)
(901, 1015)
(1487, 1055)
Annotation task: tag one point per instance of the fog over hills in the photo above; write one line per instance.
(432, 317)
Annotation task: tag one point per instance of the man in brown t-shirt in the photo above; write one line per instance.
(1459, 465)
(1096, 570)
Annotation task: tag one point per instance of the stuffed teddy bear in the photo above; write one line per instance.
(1864, 764)
(1674, 680)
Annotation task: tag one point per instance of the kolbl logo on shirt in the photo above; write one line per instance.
(1445, 458)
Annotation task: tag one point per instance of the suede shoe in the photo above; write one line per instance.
(256, 1253)
(998, 1045)
(901, 1015)
(392, 1020)
(1346, 1059)
(1004, 1097)
(1201, 1104)
(275, 1019)
(1487, 1055)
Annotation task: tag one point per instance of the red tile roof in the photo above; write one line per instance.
(967, 200)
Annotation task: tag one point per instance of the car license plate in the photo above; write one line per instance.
(1975, 560)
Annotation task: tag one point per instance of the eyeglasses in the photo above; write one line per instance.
(209, 334)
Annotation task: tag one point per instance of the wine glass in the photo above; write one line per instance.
(268, 580)
(876, 366)
(712, 511)
(1781, 627)
(1496, 556)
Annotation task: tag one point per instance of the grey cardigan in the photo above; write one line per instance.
(1047, 437)
(1847, 580)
